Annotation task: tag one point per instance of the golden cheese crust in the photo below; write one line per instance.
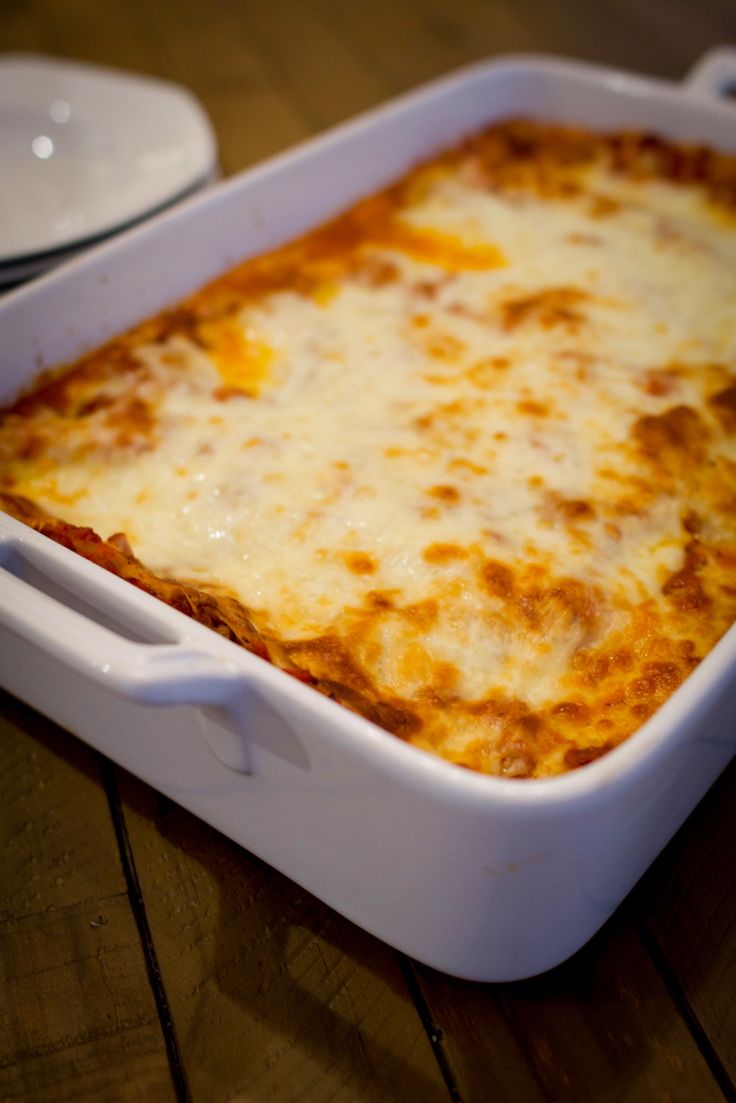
(463, 459)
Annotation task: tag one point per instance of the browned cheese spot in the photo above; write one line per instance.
(723, 405)
(443, 346)
(498, 579)
(519, 733)
(659, 381)
(77, 393)
(574, 713)
(329, 657)
(542, 602)
(359, 562)
(533, 408)
(577, 361)
(655, 684)
(96, 403)
(524, 157)
(602, 206)
(567, 599)
(691, 522)
(444, 553)
(607, 662)
(448, 415)
(399, 720)
(673, 440)
(226, 393)
(445, 493)
(485, 373)
(422, 614)
(555, 306)
(374, 272)
(445, 677)
(576, 509)
(381, 600)
(460, 463)
(429, 289)
(575, 757)
(685, 587)
(518, 759)
(571, 511)
(134, 422)
(643, 156)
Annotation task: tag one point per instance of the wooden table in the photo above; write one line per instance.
(144, 956)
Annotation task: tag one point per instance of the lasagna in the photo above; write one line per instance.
(463, 459)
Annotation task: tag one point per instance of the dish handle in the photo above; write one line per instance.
(714, 74)
(96, 625)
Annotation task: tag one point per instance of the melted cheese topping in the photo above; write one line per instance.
(466, 455)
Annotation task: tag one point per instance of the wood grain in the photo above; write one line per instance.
(327, 74)
(395, 39)
(77, 1018)
(101, 34)
(59, 846)
(273, 995)
(689, 906)
(606, 1018)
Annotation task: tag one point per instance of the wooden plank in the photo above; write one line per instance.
(214, 54)
(77, 1020)
(662, 37)
(109, 1069)
(59, 845)
(202, 45)
(395, 38)
(476, 29)
(23, 28)
(252, 125)
(322, 70)
(103, 34)
(601, 1026)
(688, 903)
(684, 30)
(77, 1017)
(272, 994)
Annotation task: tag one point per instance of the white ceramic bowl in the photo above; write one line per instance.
(85, 151)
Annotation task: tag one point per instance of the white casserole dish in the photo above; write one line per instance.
(484, 878)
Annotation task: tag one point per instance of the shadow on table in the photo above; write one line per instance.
(272, 993)
(316, 1008)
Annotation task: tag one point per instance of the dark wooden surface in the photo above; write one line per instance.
(144, 957)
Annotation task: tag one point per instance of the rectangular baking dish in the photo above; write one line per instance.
(484, 878)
